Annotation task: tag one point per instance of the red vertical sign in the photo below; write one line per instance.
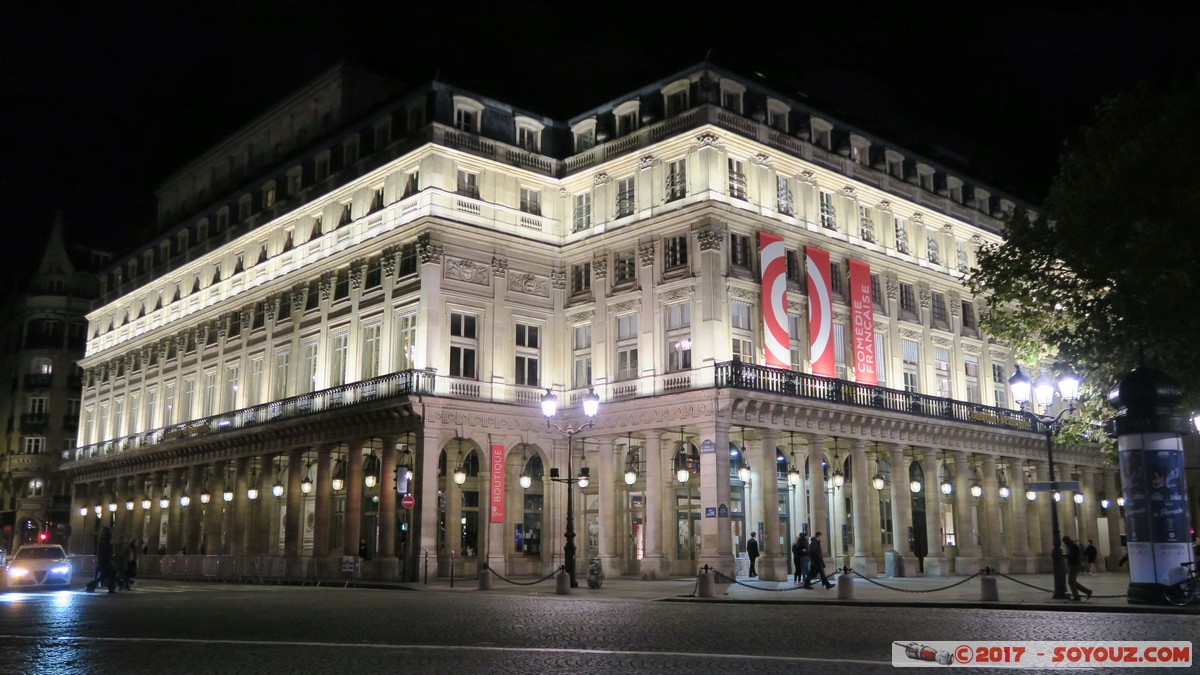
(496, 494)
(773, 261)
(862, 318)
(820, 312)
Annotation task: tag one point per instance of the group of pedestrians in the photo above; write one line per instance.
(807, 555)
(113, 571)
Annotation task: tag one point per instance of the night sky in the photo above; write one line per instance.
(102, 100)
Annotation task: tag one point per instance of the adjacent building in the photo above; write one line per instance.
(340, 338)
(43, 329)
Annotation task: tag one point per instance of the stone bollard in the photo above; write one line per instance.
(485, 580)
(989, 591)
(708, 583)
(845, 585)
(562, 582)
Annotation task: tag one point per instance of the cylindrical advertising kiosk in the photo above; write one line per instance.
(1149, 431)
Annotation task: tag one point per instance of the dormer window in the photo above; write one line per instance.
(467, 114)
(731, 95)
(585, 135)
(895, 163)
(955, 188)
(777, 115)
(860, 150)
(627, 117)
(822, 133)
(925, 176)
(675, 97)
(529, 134)
(268, 195)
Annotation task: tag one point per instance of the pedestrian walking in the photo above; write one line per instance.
(1090, 554)
(816, 562)
(131, 565)
(752, 552)
(800, 557)
(106, 571)
(1074, 566)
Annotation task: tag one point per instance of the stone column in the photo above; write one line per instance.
(1089, 511)
(388, 564)
(195, 510)
(453, 533)
(266, 514)
(816, 455)
(175, 531)
(772, 564)
(860, 494)
(292, 536)
(154, 539)
(653, 564)
(967, 561)
(354, 498)
(324, 503)
(901, 512)
(608, 504)
(241, 519)
(992, 547)
(935, 559)
(213, 511)
(1115, 523)
(717, 533)
(1045, 502)
(426, 484)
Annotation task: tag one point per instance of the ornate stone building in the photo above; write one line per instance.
(363, 295)
(43, 330)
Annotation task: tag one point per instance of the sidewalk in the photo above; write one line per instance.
(1014, 592)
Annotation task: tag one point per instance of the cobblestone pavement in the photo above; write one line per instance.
(626, 626)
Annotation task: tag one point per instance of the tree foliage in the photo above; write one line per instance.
(1105, 277)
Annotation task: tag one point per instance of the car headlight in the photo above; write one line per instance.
(17, 571)
(60, 569)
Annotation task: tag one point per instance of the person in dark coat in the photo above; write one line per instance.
(752, 552)
(106, 571)
(816, 562)
(1089, 556)
(1074, 566)
(131, 565)
(800, 557)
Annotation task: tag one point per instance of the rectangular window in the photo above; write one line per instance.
(675, 252)
(676, 186)
(835, 278)
(187, 405)
(412, 184)
(794, 269)
(679, 315)
(911, 354)
(941, 371)
(118, 418)
(866, 224)
(34, 445)
(743, 350)
(937, 310)
(338, 355)
(828, 214)
(282, 373)
(969, 326)
(737, 179)
(531, 201)
(254, 382)
(151, 404)
(527, 139)
(625, 197)
(528, 348)
(783, 195)
(308, 368)
(908, 301)
(372, 342)
(739, 250)
(582, 376)
(583, 212)
(209, 403)
(627, 326)
(901, 235)
(739, 315)
(468, 184)
(624, 267)
(971, 379)
(839, 350)
(881, 361)
(998, 385)
(466, 120)
(463, 345)
(876, 292)
(406, 341)
(581, 278)
(627, 363)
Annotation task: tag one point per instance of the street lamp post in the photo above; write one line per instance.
(591, 405)
(1068, 387)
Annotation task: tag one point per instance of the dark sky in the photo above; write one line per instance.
(102, 100)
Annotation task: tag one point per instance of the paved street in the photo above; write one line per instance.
(626, 626)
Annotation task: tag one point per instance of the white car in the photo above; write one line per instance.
(39, 566)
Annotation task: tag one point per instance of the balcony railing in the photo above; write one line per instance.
(39, 380)
(748, 376)
(385, 386)
(33, 421)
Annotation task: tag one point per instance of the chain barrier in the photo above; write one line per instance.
(505, 579)
(1051, 590)
(847, 570)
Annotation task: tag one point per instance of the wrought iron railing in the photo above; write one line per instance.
(385, 386)
(752, 377)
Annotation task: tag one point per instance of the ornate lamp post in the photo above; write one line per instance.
(591, 406)
(1068, 387)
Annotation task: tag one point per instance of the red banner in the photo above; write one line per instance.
(820, 312)
(773, 261)
(862, 318)
(496, 495)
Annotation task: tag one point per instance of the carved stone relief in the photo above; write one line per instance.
(528, 283)
(466, 270)
(710, 240)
